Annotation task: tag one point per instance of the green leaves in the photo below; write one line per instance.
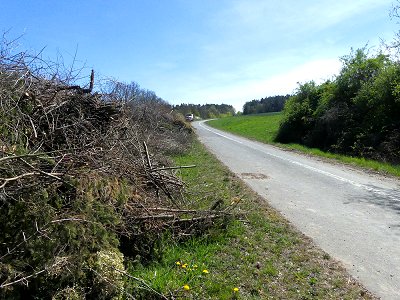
(354, 114)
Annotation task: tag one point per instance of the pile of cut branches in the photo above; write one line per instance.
(80, 190)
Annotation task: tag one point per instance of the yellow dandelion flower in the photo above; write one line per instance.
(184, 266)
(205, 271)
(178, 263)
(235, 290)
(186, 287)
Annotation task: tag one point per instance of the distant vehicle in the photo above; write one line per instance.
(189, 117)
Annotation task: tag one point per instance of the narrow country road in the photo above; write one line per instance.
(352, 215)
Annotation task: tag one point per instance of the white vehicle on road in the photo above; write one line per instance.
(189, 117)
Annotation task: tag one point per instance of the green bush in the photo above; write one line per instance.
(355, 114)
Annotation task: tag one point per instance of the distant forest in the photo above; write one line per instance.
(265, 105)
(206, 111)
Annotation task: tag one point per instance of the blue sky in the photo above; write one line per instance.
(202, 51)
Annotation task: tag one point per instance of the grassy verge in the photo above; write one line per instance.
(264, 127)
(259, 253)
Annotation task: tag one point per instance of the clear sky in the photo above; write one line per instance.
(202, 51)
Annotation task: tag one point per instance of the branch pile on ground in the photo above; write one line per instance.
(80, 190)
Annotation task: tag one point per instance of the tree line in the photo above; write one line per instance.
(206, 111)
(265, 105)
(357, 113)
(133, 93)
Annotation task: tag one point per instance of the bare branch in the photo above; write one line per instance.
(23, 279)
(173, 168)
(8, 180)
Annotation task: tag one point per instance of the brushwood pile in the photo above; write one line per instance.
(85, 182)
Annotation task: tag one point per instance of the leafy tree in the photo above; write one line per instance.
(298, 114)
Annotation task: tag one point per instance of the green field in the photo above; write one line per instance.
(261, 127)
(264, 127)
(255, 255)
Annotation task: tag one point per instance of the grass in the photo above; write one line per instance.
(259, 253)
(264, 127)
(261, 127)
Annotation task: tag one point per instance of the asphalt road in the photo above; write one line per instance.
(352, 215)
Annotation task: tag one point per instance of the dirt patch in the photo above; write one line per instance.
(253, 176)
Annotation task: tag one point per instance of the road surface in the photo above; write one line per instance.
(352, 215)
